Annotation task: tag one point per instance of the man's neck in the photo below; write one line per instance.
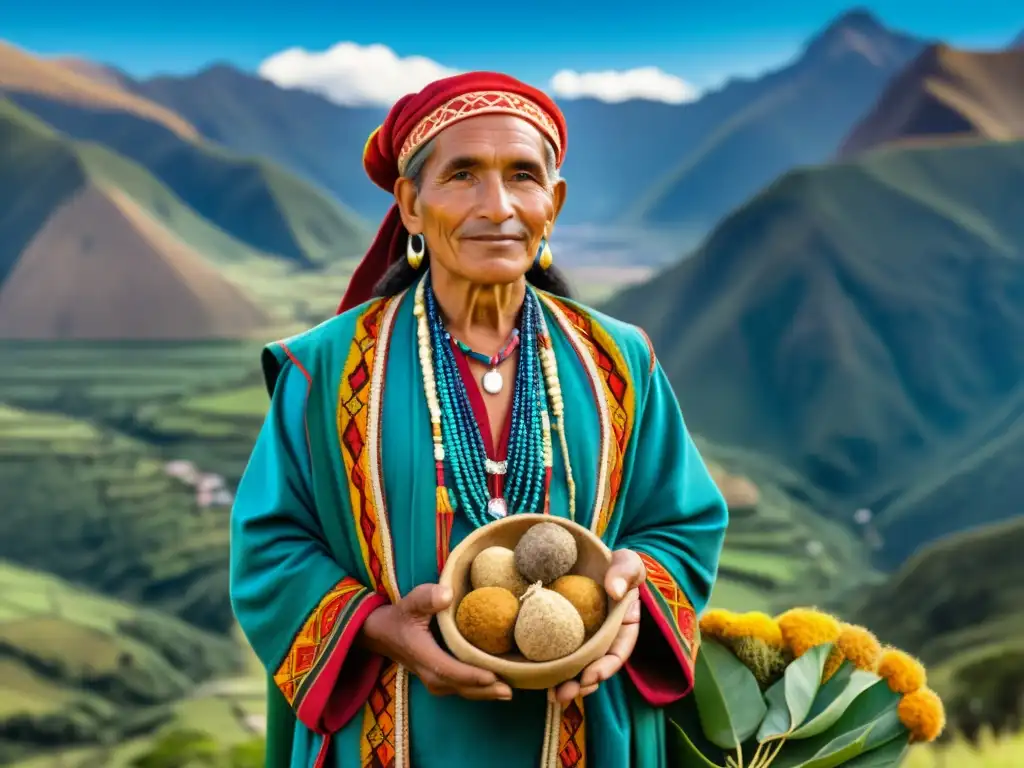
(478, 313)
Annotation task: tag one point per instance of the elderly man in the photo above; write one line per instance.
(458, 384)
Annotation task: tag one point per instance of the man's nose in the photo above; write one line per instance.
(495, 202)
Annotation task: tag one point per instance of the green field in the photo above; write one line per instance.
(90, 504)
(81, 668)
(782, 553)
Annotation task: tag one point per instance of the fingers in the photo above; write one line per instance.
(426, 600)
(498, 691)
(633, 611)
(566, 692)
(450, 671)
(608, 665)
(626, 572)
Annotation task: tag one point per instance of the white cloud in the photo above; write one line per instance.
(353, 74)
(620, 85)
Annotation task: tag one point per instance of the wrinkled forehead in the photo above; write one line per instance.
(475, 105)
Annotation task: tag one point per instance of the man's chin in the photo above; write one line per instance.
(498, 270)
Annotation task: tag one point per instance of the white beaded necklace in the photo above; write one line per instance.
(549, 368)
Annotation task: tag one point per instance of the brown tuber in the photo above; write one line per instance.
(545, 552)
(548, 627)
(486, 617)
(496, 567)
(586, 596)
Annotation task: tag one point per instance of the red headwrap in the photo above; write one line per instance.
(412, 122)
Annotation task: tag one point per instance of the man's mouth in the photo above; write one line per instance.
(496, 239)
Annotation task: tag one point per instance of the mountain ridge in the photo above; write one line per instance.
(946, 94)
(806, 340)
(22, 72)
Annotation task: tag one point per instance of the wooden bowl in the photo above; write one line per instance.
(593, 559)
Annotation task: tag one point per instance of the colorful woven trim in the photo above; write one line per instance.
(319, 636)
(378, 747)
(677, 614)
(385, 742)
(477, 103)
(615, 395)
(355, 412)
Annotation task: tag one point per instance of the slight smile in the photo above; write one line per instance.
(496, 239)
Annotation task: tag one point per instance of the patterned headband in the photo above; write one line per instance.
(470, 105)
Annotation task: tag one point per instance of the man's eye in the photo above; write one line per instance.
(523, 176)
(460, 176)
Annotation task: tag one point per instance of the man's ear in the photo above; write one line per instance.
(558, 198)
(407, 198)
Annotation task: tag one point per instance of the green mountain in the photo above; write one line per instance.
(860, 322)
(250, 198)
(311, 136)
(95, 245)
(967, 629)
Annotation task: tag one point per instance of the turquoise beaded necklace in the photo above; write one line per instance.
(461, 461)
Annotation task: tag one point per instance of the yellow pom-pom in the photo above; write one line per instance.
(755, 624)
(716, 622)
(804, 628)
(922, 713)
(901, 671)
(832, 663)
(860, 646)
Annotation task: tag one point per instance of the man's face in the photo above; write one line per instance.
(485, 200)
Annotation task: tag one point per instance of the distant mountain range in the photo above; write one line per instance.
(947, 94)
(860, 322)
(793, 117)
(674, 166)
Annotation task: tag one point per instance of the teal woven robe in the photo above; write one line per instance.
(335, 516)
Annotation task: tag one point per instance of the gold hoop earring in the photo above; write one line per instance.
(414, 253)
(545, 256)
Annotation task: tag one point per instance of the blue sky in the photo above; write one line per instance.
(701, 43)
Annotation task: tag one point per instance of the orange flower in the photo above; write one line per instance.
(901, 671)
(922, 713)
(805, 628)
(860, 646)
(716, 623)
(755, 624)
(832, 663)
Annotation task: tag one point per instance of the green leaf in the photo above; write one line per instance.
(683, 751)
(840, 750)
(833, 699)
(776, 721)
(790, 699)
(886, 728)
(887, 756)
(876, 701)
(803, 679)
(728, 698)
(873, 713)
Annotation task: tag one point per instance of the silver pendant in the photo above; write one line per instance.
(496, 508)
(492, 382)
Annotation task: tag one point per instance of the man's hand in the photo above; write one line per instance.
(624, 577)
(401, 633)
